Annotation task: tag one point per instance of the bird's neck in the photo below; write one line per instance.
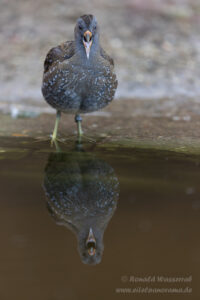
(94, 53)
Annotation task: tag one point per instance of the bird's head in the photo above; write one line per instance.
(86, 33)
(91, 246)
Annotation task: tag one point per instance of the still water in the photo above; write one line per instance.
(96, 222)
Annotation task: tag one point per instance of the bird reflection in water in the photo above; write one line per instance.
(82, 193)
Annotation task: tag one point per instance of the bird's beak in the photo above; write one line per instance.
(91, 243)
(87, 42)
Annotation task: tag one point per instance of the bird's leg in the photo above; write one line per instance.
(78, 120)
(53, 139)
(81, 136)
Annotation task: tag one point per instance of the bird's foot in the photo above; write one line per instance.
(41, 139)
(55, 140)
(81, 138)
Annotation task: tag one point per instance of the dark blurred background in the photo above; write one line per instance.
(155, 44)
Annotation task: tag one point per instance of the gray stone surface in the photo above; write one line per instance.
(147, 123)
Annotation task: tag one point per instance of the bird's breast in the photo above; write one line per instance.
(79, 87)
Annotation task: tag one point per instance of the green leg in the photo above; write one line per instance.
(58, 115)
(78, 120)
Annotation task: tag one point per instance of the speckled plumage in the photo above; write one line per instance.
(74, 84)
(82, 193)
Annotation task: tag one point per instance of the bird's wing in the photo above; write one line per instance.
(59, 53)
(106, 57)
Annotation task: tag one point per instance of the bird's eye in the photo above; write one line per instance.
(80, 27)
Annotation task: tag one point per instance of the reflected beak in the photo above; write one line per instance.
(87, 42)
(91, 251)
(91, 243)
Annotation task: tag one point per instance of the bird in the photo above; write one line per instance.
(79, 75)
(81, 194)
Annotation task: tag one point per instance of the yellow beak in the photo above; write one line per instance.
(91, 242)
(87, 42)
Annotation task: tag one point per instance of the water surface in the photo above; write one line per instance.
(146, 204)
